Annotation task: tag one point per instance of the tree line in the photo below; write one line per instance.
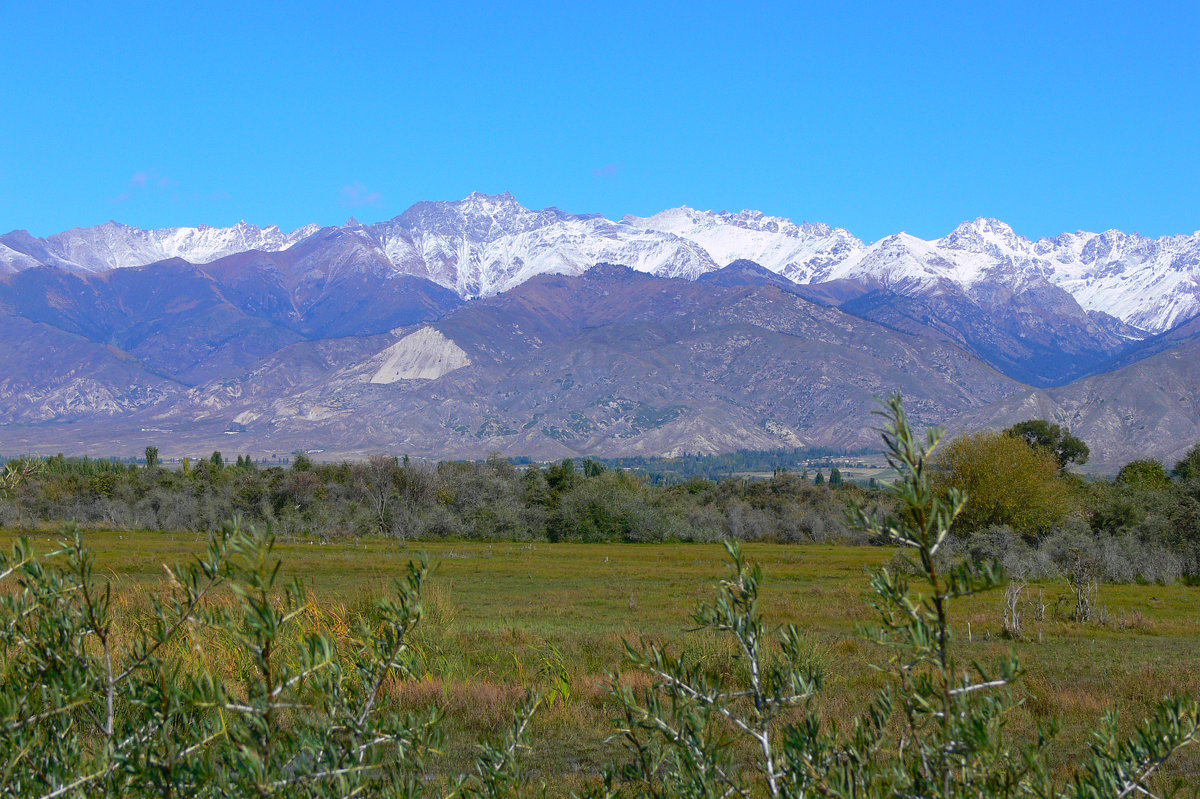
(1026, 507)
(571, 500)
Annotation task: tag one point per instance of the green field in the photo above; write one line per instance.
(506, 616)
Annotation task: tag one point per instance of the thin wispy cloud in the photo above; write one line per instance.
(142, 181)
(606, 171)
(355, 195)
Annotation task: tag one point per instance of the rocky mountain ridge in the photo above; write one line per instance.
(486, 244)
(115, 246)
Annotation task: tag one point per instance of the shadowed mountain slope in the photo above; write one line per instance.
(610, 362)
(196, 323)
(1035, 333)
(60, 377)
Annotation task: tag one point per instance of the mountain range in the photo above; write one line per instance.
(459, 328)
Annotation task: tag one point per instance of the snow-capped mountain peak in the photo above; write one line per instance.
(805, 253)
(487, 243)
(113, 245)
(985, 235)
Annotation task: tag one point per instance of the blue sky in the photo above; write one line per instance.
(875, 117)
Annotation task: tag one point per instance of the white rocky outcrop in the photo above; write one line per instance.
(424, 355)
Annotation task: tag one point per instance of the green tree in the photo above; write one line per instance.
(1188, 467)
(216, 461)
(151, 457)
(1067, 448)
(835, 476)
(1144, 473)
(561, 476)
(1008, 482)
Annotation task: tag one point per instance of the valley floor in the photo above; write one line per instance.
(503, 617)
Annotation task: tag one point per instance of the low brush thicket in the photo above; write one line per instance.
(1038, 519)
(94, 703)
(392, 497)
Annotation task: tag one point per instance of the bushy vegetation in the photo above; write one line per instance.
(96, 702)
(1008, 482)
(92, 704)
(387, 496)
(1066, 447)
(1024, 505)
(1149, 513)
(1041, 521)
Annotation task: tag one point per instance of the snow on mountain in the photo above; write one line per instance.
(1151, 284)
(486, 244)
(904, 264)
(804, 253)
(113, 245)
(12, 260)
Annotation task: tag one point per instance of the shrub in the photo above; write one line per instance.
(1188, 467)
(1007, 482)
(1117, 559)
(1146, 473)
(1021, 559)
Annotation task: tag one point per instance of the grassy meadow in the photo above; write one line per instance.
(502, 617)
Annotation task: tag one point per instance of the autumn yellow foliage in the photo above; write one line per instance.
(1006, 481)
